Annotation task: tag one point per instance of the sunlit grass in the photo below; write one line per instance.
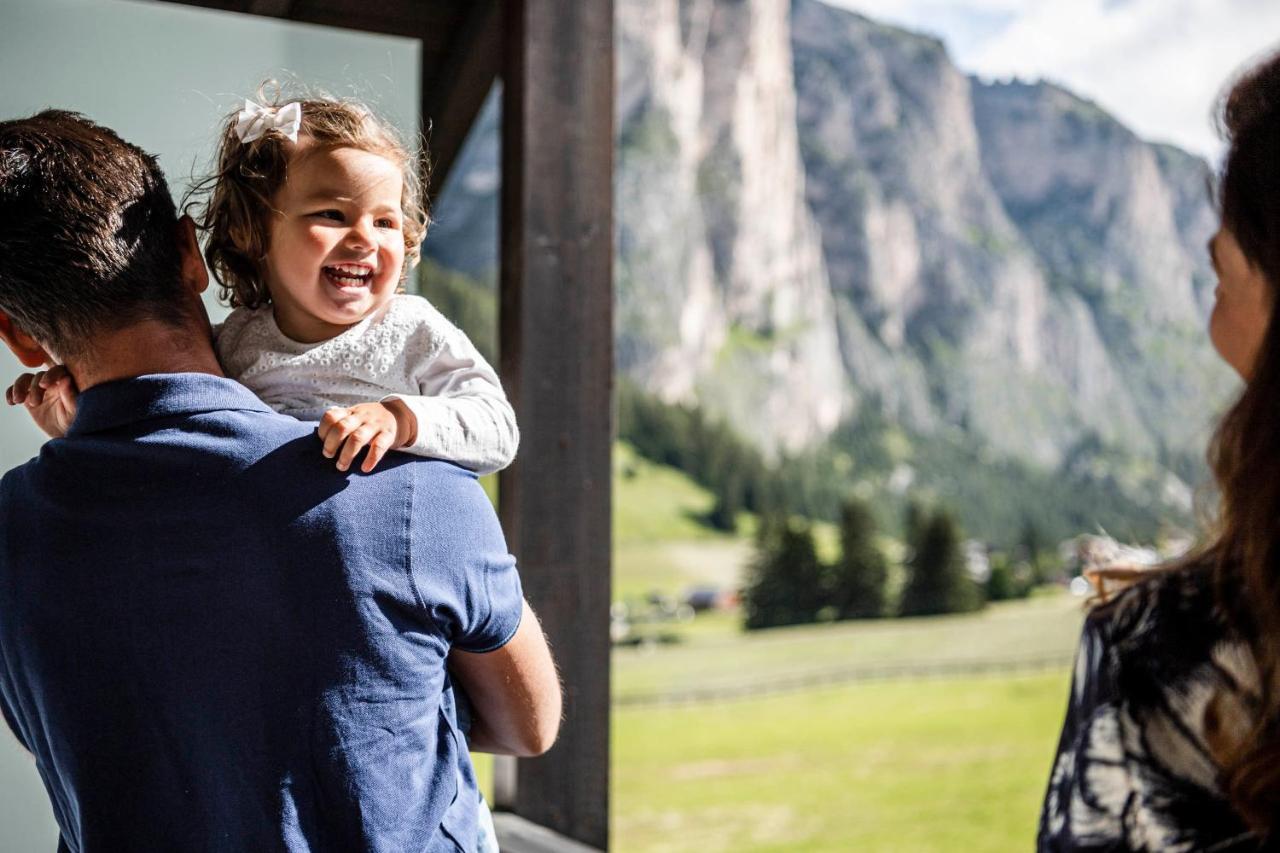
(907, 766)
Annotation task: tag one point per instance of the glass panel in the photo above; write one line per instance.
(162, 76)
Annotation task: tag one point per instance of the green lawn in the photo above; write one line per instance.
(715, 653)
(906, 766)
(929, 765)
(951, 763)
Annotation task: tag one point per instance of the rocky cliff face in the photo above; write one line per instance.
(816, 213)
(722, 290)
(1038, 261)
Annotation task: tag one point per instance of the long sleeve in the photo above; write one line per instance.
(408, 351)
(462, 412)
(1090, 786)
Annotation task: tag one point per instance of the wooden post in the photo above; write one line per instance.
(557, 365)
(455, 86)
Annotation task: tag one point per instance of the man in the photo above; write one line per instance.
(209, 638)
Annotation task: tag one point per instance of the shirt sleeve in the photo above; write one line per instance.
(462, 413)
(461, 568)
(1090, 786)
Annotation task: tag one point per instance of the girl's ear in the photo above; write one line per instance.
(26, 348)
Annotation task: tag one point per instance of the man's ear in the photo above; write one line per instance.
(191, 264)
(26, 348)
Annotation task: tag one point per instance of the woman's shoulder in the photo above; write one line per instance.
(1165, 646)
(1173, 613)
(1158, 674)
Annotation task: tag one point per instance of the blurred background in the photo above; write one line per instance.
(910, 312)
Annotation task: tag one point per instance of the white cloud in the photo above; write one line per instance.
(1158, 65)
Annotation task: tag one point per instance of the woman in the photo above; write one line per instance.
(1172, 736)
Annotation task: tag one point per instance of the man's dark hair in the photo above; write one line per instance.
(88, 237)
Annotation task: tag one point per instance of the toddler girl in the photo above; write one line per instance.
(313, 220)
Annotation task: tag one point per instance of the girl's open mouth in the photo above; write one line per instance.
(348, 275)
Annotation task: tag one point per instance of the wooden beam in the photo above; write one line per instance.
(557, 364)
(270, 8)
(454, 86)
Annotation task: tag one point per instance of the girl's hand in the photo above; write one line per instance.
(50, 397)
(378, 426)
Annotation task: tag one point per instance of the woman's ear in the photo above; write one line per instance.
(26, 348)
(194, 273)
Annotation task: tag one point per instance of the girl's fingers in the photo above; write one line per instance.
(377, 449)
(35, 391)
(329, 420)
(338, 433)
(18, 393)
(354, 445)
(66, 396)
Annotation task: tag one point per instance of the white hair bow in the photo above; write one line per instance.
(255, 120)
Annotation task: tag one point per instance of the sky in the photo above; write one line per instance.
(1157, 65)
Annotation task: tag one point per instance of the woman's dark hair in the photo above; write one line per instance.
(88, 232)
(1245, 452)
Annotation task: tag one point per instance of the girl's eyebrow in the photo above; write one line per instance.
(334, 194)
(327, 194)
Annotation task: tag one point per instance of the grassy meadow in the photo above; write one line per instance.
(944, 763)
(936, 765)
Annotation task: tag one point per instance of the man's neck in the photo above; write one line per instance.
(147, 347)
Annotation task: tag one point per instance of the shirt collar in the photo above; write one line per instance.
(126, 401)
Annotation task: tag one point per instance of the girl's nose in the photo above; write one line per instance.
(362, 234)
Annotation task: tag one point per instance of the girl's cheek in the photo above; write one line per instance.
(393, 253)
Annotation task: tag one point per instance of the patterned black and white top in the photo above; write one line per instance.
(1135, 768)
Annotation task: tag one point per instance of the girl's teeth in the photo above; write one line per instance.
(347, 275)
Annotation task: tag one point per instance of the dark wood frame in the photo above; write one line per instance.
(555, 61)
(557, 361)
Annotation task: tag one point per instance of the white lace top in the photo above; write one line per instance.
(405, 350)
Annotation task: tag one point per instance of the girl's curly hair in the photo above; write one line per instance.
(233, 205)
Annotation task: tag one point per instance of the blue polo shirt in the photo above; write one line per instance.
(212, 640)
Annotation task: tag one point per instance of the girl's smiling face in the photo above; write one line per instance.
(336, 248)
(1243, 307)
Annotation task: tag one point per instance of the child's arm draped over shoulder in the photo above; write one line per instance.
(460, 413)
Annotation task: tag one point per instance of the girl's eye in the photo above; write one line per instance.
(386, 223)
(335, 215)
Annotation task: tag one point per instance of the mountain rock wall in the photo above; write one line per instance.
(816, 212)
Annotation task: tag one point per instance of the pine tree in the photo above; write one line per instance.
(724, 514)
(938, 582)
(785, 585)
(858, 580)
(1001, 584)
(1032, 545)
